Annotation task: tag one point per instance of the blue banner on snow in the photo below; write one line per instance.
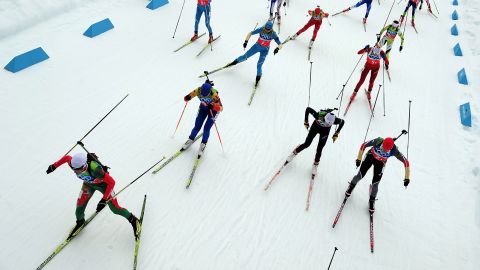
(465, 114)
(98, 28)
(462, 77)
(455, 15)
(154, 4)
(27, 59)
(454, 30)
(457, 50)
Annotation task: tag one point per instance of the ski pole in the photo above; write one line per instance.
(310, 83)
(371, 115)
(341, 92)
(402, 132)
(181, 10)
(408, 140)
(335, 250)
(97, 124)
(218, 133)
(138, 177)
(383, 90)
(436, 6)
(388, 13)
(328, 21)
(180, 119)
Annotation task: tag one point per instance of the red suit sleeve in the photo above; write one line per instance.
(107, 179)
(63, 160)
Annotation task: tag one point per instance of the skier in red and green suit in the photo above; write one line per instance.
(95, 178)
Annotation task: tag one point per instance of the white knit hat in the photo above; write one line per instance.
(78, 160)
(330, 118)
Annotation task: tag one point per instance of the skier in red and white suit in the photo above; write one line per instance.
(372, 65)
(316, 19)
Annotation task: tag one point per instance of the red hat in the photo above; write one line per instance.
(387, 144)
(317, 10)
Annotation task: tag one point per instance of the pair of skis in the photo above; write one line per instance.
(174, 156)
(62, 245)
(191, 41)
(339, 213)
(351, 100)
(310, 187)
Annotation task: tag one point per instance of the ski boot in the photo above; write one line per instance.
(257, 80)
(369, 97)
(310, 44)
(294, 37)
(364, 20)
(371, 205)
(279, 18)
(77, 228)
(232, 63)
(413, 23)
(290, 157)
(187, 144)
(401, 19)
(195, 37)
(314, 168)
(354, 94)
(346, 10)
(136, 225)
(210, 38)
(201, 149)
(349, 190)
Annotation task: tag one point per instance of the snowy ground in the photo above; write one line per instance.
(226, 220)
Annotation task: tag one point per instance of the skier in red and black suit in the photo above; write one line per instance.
(372, 65)
(94, 177)
(377, 156)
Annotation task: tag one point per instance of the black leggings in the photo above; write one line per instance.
(377, 173)
(314, 130)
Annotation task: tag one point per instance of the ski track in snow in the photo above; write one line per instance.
(225, 220)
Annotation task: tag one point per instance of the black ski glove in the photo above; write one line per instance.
(386, 66)
(406, 181)
(51, 168)
(101, 204)
(358, 162)
(210, 106)
(80, 143)
(285, 3)
(187, 98)
(378, 37)
(401, 47)
(245, 44)
(276, 50)
(306, 124)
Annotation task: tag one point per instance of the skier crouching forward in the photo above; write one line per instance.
(324, 119)
(377, 156)
(94, 178)
(210, 106)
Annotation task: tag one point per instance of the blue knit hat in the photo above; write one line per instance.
(206, 87)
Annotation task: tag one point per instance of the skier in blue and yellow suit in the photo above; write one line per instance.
(210, 106)
(266, 35)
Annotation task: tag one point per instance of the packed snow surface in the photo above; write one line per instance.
(225, 220)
